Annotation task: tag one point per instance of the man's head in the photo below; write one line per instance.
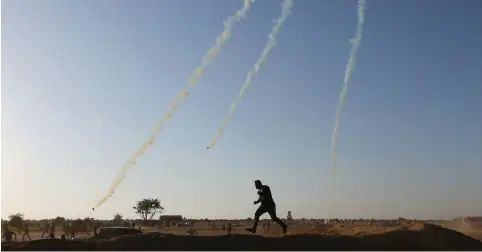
(258, 184)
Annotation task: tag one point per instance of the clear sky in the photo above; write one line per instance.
(85, 82)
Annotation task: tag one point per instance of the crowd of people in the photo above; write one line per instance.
(69, 230)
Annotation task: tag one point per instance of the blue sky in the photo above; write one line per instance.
(84, 84)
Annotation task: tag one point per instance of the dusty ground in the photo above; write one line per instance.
(471, 229)
(300, 237)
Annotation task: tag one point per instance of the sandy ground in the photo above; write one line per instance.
(299, 237)
(276, 231)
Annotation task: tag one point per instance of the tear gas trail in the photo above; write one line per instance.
(286, 11)
(355, 41)
(193, 81)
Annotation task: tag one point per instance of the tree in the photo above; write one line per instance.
(59, 221)
(147, 208)
(16, 220)
(78, 222)
(117, 219)
(88, 221)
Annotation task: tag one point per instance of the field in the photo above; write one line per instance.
(301, 236)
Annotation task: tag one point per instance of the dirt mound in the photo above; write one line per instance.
(422, 237)
(426, 237)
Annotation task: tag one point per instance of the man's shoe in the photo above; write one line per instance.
(252, 230)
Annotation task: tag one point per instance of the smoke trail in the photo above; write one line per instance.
(286, 11)
(348, 71)
(193, 81)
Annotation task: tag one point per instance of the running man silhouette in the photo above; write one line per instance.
(26, 232)
(267, 206)
(46, 230)
(8, 235)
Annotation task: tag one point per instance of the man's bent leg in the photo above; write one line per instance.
(260, 211)
(272, 214)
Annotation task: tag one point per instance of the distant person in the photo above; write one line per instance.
(26, 232)
(267, 206)
(230, 228)
(8, 235)
(267, 227)
(73, 230)
(46, 230)
(52, 231)
(86, 229)
(68, 230)
(96, 228)
(191, 232)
